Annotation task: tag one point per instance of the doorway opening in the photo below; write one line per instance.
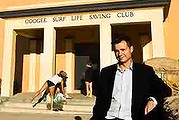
(82, 42)
(29, 45)
(140, 35)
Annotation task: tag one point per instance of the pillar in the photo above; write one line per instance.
(69, 60)
(32, 65)
(157, 34)
(47, 58)
(105, 45)
(8, 62)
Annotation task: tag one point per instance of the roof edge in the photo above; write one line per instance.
(84, 8)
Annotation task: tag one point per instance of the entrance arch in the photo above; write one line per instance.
(29, 45)
(80, 44)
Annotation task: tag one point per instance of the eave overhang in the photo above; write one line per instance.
(86, 8)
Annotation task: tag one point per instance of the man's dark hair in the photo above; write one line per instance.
(120, 38)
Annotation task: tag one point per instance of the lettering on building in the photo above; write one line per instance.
(76, 17)
(125, 14)
(35, 20)
(99, 16)
(58, 19)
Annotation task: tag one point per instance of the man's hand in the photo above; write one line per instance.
(150, 106)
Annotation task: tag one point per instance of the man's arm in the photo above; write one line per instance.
(159, 90)
(151, 104)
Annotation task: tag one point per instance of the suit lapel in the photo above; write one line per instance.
(135, 84)
(134, 80)
(138, 87)
(111, 81)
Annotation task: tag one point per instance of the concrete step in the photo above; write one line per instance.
(43, 111)
(21, 103)
(42, 106)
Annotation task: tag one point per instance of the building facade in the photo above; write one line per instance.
(39, 39)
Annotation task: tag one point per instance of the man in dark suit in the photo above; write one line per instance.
(128, 90)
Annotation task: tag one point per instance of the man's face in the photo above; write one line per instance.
(123, 52)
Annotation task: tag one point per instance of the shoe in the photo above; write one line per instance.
(90, 95)
(34, 105)
(61, 109)
(55, 109)
(68, 97)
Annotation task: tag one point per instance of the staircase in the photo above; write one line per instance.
(78, 105)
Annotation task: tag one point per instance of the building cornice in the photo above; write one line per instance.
(85, 8)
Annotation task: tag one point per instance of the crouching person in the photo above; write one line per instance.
(50, 86)
(58, 101)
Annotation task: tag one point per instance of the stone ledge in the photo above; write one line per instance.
(168, 70)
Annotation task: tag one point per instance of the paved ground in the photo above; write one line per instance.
(53, 116)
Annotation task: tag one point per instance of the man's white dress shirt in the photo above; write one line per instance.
(122, 95)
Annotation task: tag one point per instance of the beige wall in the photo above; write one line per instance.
(171, 30)
(1, 44)
(25, 82)
(26, 4)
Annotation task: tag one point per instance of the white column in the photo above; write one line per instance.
(147, 49)
(32, 65)
(105, 45)
(69, 60)
(8, 62)
(47, 59)
(157, 34)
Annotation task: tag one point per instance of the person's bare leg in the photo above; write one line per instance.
(52, 90)
(65, 93)
(44, 87)
(87, 88)
(90, 89)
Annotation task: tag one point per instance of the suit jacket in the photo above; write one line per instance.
(145, 84)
